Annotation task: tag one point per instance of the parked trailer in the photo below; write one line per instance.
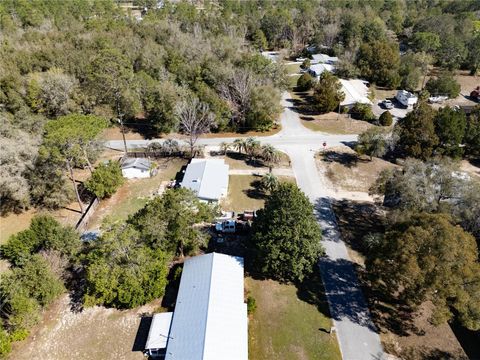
(406, 98)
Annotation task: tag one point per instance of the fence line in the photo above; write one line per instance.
(82, 224)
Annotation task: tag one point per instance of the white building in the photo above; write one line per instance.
(406, 98)
(136, 168)
(158, 334)
(210, 319)
(208, 178)
(324, 59)
(356, 91)
(317, 69)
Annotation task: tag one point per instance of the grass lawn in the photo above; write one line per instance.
(293, 68)
(286, 327)
(292, 80)
(243, 194)
(332, 123)
(135, 193)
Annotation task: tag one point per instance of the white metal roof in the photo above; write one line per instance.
(137, 163)
(324, 58)
(210, 317)
(318, 69)
(355, 91)
(159, 329)
(208, 178)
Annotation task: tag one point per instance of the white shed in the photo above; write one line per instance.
(208, 178)
(136, 168)
(158, 335)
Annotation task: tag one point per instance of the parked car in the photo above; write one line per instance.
(226, 227)
(437, 99)
(387, 104)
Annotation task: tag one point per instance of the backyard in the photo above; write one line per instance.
(135, 193)
(289, 322)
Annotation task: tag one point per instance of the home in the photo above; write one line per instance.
(356, 91)
(317, 69)
(406, 98)
(208, 178)
(137, 168)
(210, 319)
(324, 59)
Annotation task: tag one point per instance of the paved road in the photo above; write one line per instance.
(356, 333)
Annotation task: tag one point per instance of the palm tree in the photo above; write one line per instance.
(224, 147)
(240, 145)
(252, 147)
(270, 155)
(269, 182)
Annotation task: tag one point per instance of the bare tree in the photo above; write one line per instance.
(195, 119)
(237, 93)
(330, 33)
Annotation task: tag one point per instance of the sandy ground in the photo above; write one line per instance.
(94, 334)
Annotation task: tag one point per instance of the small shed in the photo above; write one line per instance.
(158, 335)
(136, 168)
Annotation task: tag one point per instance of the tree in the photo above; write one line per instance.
(417, 132)
(327, 93)
(379, 62)
(306, 64)
(269, 182)
(451, 53)
(427, 257)
(473, 57)
(5, 343)
(386, 118)
(252, 147)
(362, 112)
(71, 137)
(122, 271)
(411, 66)
(259, 40)
(225, 147)
(105, 180)
(445, 85)
(472, 133)
(450, 127)
(286, 235)
(270, 155)
(372, 143)
(264, 108)
(305, 82)
(195, 120)
(240, 145)
(426, 41)
(168, 222)
(44, 233)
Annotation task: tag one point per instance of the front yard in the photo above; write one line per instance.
(289, 323)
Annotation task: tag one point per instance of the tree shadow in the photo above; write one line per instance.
(468, 339)
(312, 291)
(171, 290)
(256, 192)
(347, 159)
(142, 333)
(143, 128)
(245, 158)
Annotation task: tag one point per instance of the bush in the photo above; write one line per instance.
(105, 180)
(305, 82)
(5, 343)
(362, 112)
(306, 64)
(444, 85)
(386, 119)
(251, 305)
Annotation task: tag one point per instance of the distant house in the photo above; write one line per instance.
(356, 91)
(136, 168)
(210, 319)
(406, 98)
(208, 178)
(317, 69)
(324, 59)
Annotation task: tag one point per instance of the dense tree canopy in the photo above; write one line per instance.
(426, 257)
(450, 127)
(286, 235)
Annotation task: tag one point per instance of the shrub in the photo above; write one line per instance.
(105, 180)
(386, 119)
(305, 64)
(444, 84)
(5, 343)
(305, 82)
(362, 112)
(251, 305)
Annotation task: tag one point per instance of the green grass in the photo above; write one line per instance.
(292, 81)
(293, 68)
(286, 327)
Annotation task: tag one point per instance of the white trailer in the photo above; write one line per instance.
(406, 98)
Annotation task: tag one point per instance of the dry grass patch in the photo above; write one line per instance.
(349, 172)
(95, 333)
(334, 123)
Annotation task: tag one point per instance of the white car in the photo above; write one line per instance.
(387, 104)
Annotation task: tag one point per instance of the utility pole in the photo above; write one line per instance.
(120, 121)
